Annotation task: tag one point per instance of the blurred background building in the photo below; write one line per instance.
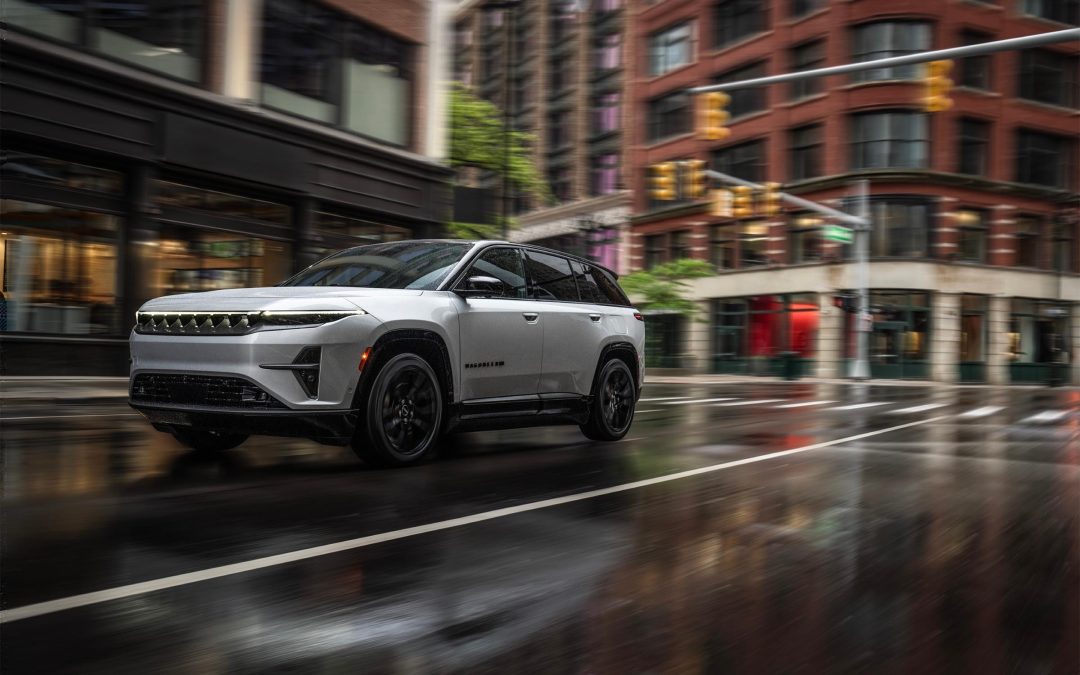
(559, 70)
(975, 228)
(163, 146)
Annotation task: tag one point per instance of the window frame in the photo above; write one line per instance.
(657, 129)
(805, 88)
(887, 49)
(803, 153)
(746, 18)
(966, 140)
(664, 35)
(860, 148)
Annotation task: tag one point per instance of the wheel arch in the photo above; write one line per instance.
(427, 343)
(620, 350)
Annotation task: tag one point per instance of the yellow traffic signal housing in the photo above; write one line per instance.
(720, 203)
(662, 182)
(713, 116)
(743, 202)
(695, 181)
(770, 202)
(938, 86)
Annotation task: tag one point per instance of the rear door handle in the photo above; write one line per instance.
(531, 317)
(594, 317)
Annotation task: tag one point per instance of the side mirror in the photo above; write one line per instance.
(480, 287)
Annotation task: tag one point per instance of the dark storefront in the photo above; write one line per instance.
(1038, 340)
(120, 187)
(751, 335)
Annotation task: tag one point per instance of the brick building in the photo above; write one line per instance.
(567, 87)
(162, 147)
(975, 237)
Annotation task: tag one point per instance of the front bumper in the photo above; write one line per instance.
(330, 427)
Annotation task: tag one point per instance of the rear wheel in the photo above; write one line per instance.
(207, 441)
(403, 414)
(613, 403)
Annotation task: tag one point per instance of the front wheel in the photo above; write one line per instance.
(613, 403)
(403, 415)
(208, 441)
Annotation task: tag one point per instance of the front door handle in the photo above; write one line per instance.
(531, 317)
(594, 317)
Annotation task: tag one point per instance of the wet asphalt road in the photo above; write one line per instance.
(943, 538)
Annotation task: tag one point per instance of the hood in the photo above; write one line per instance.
(272, 297)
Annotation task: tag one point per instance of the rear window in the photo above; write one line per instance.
(598, 286)
(551, 276)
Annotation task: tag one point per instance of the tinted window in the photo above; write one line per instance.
(552, 279)
(407, 264)
(597, 285)
(506, 265)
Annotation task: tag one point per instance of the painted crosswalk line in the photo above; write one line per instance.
(857, 406)
(698, 400)
(984, 411)
(759, 401)
(1047, 416)
(917, 408)
(663, 398)
(803, 404)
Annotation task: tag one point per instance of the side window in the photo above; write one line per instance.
(586, 283)
(611, 289)
(504, 264)
(552, 278)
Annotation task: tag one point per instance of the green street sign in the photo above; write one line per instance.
(839, 233)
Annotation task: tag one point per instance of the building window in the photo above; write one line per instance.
(671, 48)
(734, 20)
(20, 166)
(605, 174)
(559, 180)
(974, 140)
(745, 101)
(559, 128)
(901, 227)
(1045, 159)
(1038, 333)
(1027, 241)
(1064, 248)
(656, 250)
(799, 8)
(333, 232)
(753, 244)
(194, 259)
(169, 195)
(609, 52)
(873, 41)
(971, 244)
(606, 113)
(973, 328)
(974, 71)
(746, 161)
(750, 333)
(58, 269)
(561, 74)
(563, 18)
(1062, 11)
(806, 152)
(805, 241)
(166, 38)
(669, 116)
(605, 6)
(885, 140)
(680, 245)
(807, 56)
(1048, 77)
(722, 246)
(319, 64)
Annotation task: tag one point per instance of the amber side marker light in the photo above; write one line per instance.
(364, 358)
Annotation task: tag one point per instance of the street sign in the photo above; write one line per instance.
(838, 233)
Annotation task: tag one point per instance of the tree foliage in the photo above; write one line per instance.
(457, 230)
(477, 137)
(665, 287)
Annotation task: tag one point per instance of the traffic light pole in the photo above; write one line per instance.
(861, 368)
(854, 221)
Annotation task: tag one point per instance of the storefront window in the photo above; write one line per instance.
(750, 334)
(753, 243)
(900, 338)
(332, 232)
(58, 173)
(59, 269)
(806, 243)
(221, 204)
(1038, 332)
(189, 259)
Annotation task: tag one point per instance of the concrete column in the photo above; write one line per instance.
(1075, 356)
(830, 338)
(997, 355)
(697, 343)
(239, 48)
(945, 337)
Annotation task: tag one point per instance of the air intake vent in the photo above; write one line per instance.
(204, 391)
(306, 369)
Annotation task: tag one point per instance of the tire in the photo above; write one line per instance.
(207, 441)
(403, 414)
(614, 397)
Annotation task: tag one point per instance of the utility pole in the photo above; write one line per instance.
(863, 325)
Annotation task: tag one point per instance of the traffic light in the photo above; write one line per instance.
(938, 86)
(694, 179)
(662, 182)
(713, 115)
(770, 199)
(720, 203)
(742, 204)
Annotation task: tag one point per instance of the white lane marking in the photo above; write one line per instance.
(856, 406)
(59, 417)
(1046, 416)
(699, 400)
(803, 404)
(638, 412)
(96, 597)
(750, 402)
(665, 398)
(917, 408)
(984, 411)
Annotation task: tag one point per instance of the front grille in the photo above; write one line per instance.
(206, 391)
(196, 323)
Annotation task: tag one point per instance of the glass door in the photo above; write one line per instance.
(887, 349)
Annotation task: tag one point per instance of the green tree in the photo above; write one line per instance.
(664, 286)
(478, 139)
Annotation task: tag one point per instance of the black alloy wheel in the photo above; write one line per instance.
(613, 403)
(404, 413)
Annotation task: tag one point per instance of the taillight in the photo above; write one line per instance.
(639, 316)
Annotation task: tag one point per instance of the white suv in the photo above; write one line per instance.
(387, 346)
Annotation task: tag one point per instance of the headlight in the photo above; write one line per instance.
(302, 317)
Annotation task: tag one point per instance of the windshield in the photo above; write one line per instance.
(420, 265)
